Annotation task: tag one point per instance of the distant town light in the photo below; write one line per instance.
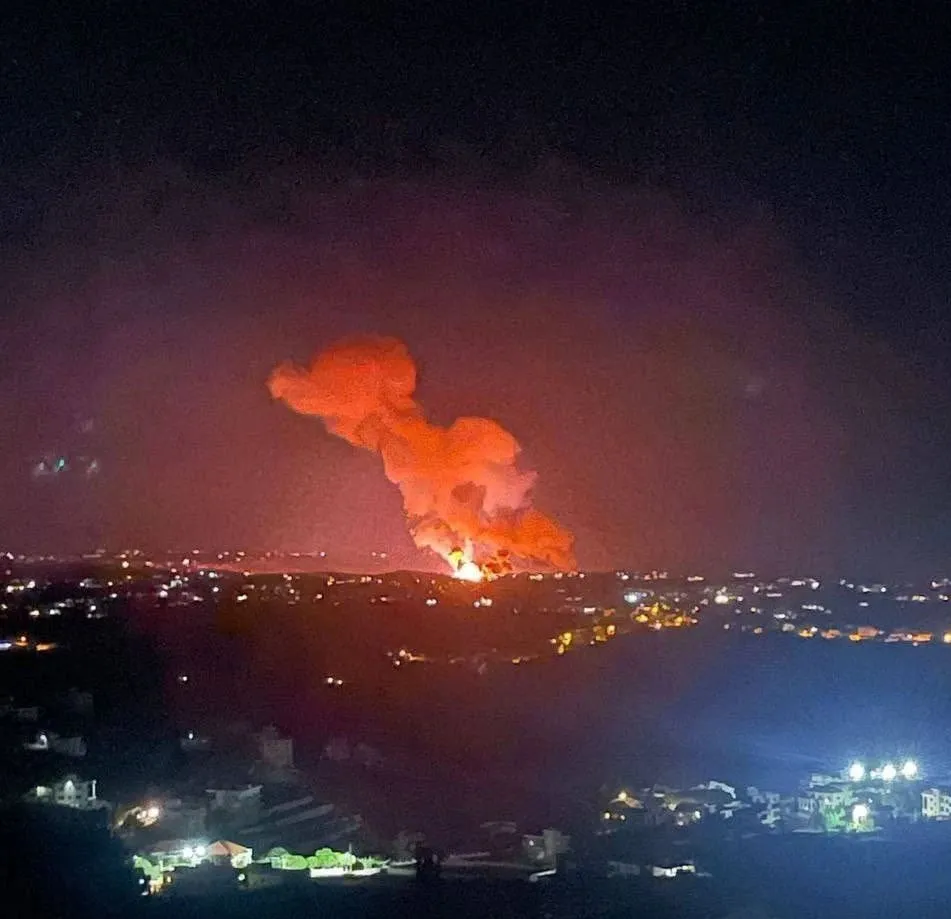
(856, 772)
(200, 851)
(152, 812)
(889, 772)
(721, 599)
(910, 769)
(622, 796)
(188, 852)
(860, 813)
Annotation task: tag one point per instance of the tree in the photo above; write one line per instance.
(834, 818)
(324, 858)
(146, 867)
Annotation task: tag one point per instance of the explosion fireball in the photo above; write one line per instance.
(464, 497)
(464, 568)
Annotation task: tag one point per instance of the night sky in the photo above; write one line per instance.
(697, 257)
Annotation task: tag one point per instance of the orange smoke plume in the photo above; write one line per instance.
(463, 494)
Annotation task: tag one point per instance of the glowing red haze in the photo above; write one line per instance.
(463, 494)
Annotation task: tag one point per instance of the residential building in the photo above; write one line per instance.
(819, 798)
(936, 804)
(275, 750)
(623, 870)
(237, 805)
(759, 796)
(69, 792)
(74, 746)
(185, 819)
(670, 868)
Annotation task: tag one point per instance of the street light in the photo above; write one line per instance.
(910, 769)
(889, 772)
(860, 813)
(856, 772)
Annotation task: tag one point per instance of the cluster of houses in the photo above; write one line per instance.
(855, 800)
(663, 805)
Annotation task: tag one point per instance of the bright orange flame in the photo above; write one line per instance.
(468, 571)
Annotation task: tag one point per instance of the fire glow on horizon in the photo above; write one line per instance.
(460, 484)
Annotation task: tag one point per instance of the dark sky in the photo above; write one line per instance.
(695, 256)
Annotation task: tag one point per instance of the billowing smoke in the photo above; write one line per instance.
(464, 496)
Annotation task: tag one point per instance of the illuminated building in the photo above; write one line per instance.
(936, 804)
(70, 792)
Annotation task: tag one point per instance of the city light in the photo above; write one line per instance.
(910, 769)
(860, 813)
(200, 851)
(152, 812)
(856, 772)
(188, 852)
(889, 772)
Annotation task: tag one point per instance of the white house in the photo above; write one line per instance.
(672, 869)
(69, 792)
(819, 798)
(729, 790)
(935, 804)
